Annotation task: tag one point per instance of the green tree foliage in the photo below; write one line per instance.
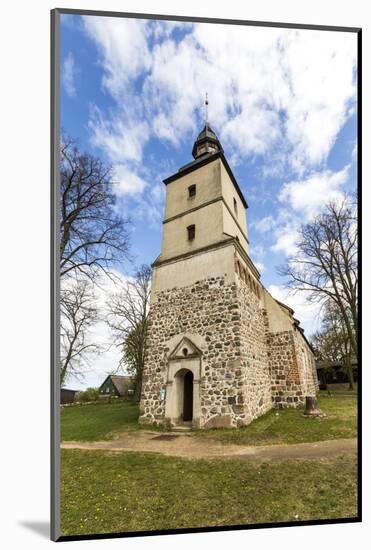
(91, 394)
(128, 319)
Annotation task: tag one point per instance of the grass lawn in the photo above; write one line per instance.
(104, 421)
(95, 422)
(290, 426)
(105, 492)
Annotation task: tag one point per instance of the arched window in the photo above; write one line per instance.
(191, 231)
(249, 282)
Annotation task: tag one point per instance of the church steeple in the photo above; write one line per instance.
(207, 141)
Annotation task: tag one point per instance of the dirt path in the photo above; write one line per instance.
(186, 446)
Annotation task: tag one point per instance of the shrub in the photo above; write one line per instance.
(91, 394)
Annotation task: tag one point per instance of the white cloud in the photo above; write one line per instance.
(257, 251)
(124, 56)
(264, 85)
(158, 193)
(253, 130)
(127, 181)
(259, 266)
(303, 200)
(308, 313)
(322, 92)
(265, 224)
(69, 73)
(286, 238)
(122, 47)
(278, 92)
(310, 195)
(163, 29)
(121, 137)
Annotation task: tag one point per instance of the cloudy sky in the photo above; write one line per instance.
(282, 102)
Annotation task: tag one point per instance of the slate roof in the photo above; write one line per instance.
(207, 132)
(206, 135)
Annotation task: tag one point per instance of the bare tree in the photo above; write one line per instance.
(78, 315)
(128, 312)
(93, 236)
(332, 343)
(325, 266)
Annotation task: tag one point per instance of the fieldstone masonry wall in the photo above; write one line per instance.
(245, 369)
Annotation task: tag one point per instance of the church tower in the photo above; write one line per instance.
(220, 350)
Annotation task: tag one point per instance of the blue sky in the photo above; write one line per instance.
(283, 103)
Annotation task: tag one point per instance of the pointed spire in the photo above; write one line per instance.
(207, 142)
(206, 110)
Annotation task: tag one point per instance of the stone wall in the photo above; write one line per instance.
(287, 386)
(254, 356)
(292, 368)
(234, 388)
(307, 364)
(245, 369)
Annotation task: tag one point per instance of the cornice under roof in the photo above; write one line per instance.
(188, 168)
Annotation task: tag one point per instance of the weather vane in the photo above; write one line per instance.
(206, 109)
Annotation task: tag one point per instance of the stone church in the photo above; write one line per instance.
(221, 350)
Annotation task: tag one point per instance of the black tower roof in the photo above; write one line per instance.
(206, 137)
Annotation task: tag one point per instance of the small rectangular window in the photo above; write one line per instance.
(191, 191)
(235, 206)
(191, 229)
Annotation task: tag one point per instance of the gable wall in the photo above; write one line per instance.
(108, 384)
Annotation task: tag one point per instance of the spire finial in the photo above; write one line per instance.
(206, 109)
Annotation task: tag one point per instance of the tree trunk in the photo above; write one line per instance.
(138, 388)
(350, 374)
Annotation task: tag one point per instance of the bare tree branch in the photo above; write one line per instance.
(78, 315)
(326, 264)
(94, 237)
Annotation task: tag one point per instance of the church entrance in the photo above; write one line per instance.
(182, 395)
(188, 396)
